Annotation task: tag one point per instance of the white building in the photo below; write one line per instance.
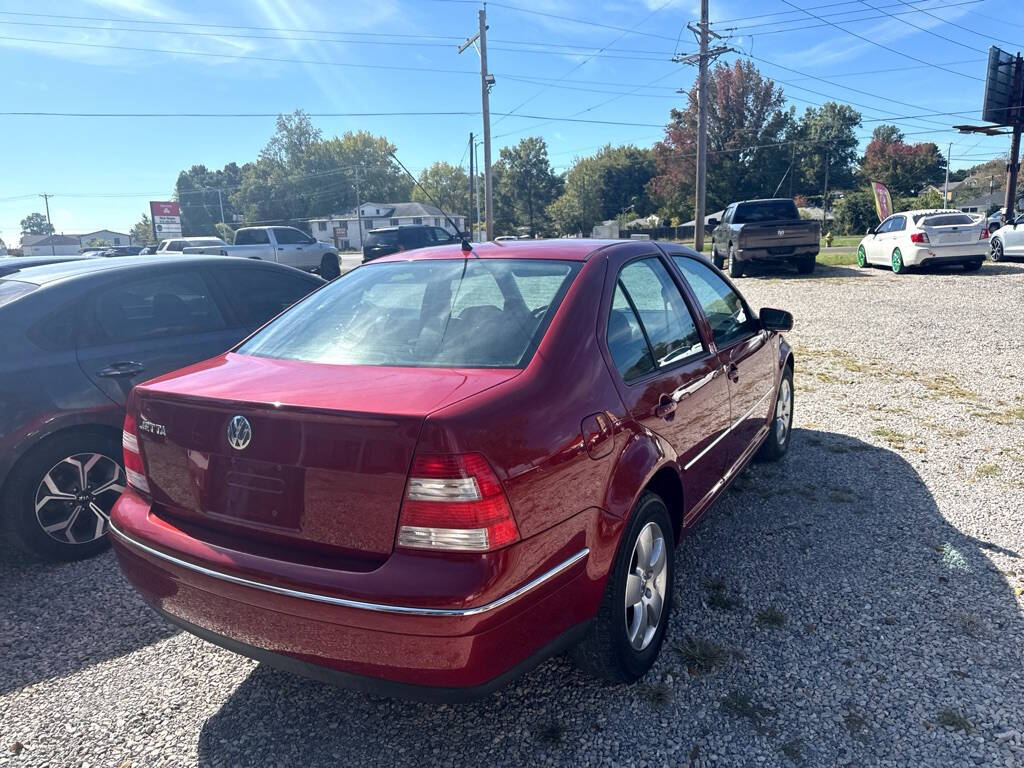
(114, 238)
(343, 229)
(50, 245)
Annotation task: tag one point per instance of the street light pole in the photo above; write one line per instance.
(486, 81)
(46, 198)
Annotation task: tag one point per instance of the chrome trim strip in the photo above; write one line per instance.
(347, 603)
(732, 426)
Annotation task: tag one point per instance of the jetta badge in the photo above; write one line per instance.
(239, 433)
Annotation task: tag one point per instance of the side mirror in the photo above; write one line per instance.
(776, 319)
(712, 223)
(871, 231)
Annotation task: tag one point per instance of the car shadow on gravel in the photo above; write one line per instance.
(58, 618)
(821, 271)
(844, 620)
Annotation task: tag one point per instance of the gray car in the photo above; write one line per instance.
(77, 336)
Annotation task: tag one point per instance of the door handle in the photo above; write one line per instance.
(733, 373)
(666, 408)
(121, 368)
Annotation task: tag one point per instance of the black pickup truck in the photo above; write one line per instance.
(767, 231)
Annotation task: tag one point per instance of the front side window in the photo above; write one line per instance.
(671, 330)
(726, 312)
(289, 236)
(444, 313)
(898, 223)
(153, 307)
(885, 226)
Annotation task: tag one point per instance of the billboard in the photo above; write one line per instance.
(1003, 87)
(166, 219)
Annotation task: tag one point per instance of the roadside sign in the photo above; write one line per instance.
(166, 217)
(883, 200)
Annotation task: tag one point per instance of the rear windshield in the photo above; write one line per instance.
(388, 237)
(14, 289)
(450, 313)
(770, 210)
(944, 220)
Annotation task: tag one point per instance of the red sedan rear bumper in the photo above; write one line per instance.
(431, 652)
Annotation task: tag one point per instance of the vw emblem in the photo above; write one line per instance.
(781, 232)
(239, 433)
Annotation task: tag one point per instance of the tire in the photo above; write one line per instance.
(329, 267)
(607, 651)
(806, 265)
(62, 459)
(718, 261)
(972, 266)
(995, 250)
(735, 265)
(898, 266)
(862, 257)
(777, 443)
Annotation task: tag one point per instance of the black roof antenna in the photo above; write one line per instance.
(467, 248)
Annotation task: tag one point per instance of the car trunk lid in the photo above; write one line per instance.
(956, 229)
(319, 464)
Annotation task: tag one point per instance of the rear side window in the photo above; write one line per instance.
(252, 237)
(175, 245)
(444, 313)
(14, 289)
(256, 295)
(153, 307)
(626, 342)
(727, 314)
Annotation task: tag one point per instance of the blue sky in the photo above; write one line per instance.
(604, 60)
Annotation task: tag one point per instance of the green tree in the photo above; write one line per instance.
(98, 242)
(225, 232)
(142, 232)
(36, 224)
(746, 157)
(826, 138)
(448, 185)
(854, 213)
(200, 193)
(526, 184)
(602, 186)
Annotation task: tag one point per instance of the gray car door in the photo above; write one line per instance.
(137, 328)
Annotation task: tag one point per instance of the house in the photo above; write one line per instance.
(50, 245)
(114, 238)
(982, 203)
(346, 230)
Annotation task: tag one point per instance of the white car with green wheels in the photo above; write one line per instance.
(925, 238)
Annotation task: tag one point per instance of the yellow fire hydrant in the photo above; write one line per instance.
(828, 239)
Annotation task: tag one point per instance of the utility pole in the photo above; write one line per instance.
(472, 182)
(945, 188)
(476, 185)
(703, 57)
(486, 82)
(1012, 168)
(220, 199)
(46, 198)
(824, 194)
(359, 209)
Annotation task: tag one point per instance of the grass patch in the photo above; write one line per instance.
(844, 240)
(988, 470)
(842, 496)
(771, 617)
(723, 602)
(837, 259)
(741, 704)
(947, 386)
(701, 655)
(971, 624)
(953, 719)
(895, 439)
(794, 750)
(854, 723)
(714, 584)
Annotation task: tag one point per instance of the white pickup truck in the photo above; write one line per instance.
(285, 245)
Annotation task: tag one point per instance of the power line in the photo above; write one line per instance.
(879, 45)
(986, 35)
(782, 24)
(931, 32)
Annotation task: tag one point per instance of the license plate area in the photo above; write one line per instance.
(256, 492)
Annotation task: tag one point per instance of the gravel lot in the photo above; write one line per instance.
(858, 603)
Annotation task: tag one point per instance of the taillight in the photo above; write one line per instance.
(919, 237)
(984, 234)
(133, 469)
(455, 502)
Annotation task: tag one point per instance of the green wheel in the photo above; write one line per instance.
(862, 257)
(897, 261)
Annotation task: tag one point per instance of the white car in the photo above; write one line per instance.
(179, 244)
(1008, 241)
(926, 238)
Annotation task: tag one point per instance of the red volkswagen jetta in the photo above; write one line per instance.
(440, 469)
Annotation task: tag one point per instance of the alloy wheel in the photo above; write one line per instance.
(897, 261)
(783, 412)
(995, 250)
(74, 499)
(646, 586)
(862, 257)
